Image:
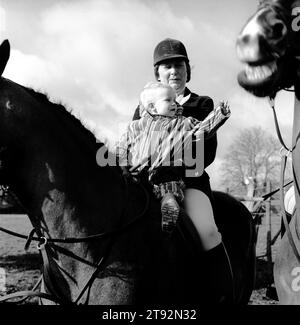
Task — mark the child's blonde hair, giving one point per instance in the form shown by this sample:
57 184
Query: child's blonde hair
148 95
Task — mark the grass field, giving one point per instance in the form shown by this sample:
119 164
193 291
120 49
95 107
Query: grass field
22 269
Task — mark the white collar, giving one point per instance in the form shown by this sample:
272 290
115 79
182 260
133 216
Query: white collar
181 99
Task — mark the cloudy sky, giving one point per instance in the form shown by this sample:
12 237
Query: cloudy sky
95 56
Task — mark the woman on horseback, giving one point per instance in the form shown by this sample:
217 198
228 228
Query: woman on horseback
171 67
162 138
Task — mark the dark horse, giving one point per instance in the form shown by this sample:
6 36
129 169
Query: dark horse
269 45
99 232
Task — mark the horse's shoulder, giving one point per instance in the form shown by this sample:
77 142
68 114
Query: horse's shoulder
231 212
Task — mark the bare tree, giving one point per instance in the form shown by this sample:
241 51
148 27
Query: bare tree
254 155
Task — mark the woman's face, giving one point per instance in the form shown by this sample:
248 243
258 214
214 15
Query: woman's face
174 74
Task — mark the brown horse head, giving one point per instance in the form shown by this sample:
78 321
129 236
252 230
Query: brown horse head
269 45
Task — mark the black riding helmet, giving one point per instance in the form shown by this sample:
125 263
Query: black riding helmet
169 49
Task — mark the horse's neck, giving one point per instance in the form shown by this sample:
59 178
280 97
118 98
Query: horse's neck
71 197
88 208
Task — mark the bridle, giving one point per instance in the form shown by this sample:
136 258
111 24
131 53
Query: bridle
285 153
47 245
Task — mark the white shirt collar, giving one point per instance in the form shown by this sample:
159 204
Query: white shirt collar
181 99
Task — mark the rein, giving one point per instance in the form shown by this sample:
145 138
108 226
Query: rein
45 245
284 152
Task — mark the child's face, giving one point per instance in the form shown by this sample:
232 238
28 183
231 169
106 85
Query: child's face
165 102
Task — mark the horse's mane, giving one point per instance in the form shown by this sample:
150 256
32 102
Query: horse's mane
77 135
72 127
64 113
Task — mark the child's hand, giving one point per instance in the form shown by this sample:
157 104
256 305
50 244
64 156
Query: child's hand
224 107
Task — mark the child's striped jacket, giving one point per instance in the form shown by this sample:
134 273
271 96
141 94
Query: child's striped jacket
156 140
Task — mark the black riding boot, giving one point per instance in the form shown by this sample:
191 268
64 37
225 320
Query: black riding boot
219 276
213 266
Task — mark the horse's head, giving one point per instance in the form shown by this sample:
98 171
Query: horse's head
269 45
14 119
40 140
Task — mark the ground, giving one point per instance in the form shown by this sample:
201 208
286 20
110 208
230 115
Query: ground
22 269
264 292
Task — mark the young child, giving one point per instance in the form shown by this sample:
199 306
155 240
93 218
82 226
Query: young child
150 141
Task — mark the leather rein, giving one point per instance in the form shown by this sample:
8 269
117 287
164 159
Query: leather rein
46 246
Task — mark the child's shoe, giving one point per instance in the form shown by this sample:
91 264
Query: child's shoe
170 211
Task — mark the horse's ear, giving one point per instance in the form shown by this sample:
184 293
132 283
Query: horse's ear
4 55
